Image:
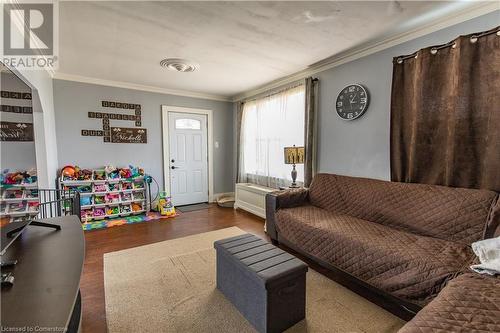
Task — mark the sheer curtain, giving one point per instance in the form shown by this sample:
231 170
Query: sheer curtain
267 126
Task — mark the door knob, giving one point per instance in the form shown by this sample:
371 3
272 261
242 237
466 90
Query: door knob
173 167
172 160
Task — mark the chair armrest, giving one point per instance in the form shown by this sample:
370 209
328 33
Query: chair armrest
282 199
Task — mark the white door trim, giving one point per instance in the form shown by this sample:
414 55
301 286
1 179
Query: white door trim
165 109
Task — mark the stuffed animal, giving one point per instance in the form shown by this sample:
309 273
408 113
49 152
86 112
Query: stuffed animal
85 200
126 196
112 198
99 175
113 187
83 174
113 210
99 199
125 173
136 207
99 212
125 209
136 171
33 206
86 213
112 172
99 187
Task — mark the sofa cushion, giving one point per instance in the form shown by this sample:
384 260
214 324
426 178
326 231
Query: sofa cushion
468 303
454 214
406 265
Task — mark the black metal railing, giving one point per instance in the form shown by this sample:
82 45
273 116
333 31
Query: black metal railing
54 203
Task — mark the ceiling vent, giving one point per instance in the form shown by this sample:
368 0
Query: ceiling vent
179 65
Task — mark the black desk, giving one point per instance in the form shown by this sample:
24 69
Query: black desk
45 294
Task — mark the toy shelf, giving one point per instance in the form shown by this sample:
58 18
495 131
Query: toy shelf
18 201
102 196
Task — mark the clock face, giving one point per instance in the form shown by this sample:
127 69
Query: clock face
352 102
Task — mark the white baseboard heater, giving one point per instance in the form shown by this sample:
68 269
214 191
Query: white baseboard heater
252 198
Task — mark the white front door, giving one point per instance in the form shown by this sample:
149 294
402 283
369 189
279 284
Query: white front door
188 158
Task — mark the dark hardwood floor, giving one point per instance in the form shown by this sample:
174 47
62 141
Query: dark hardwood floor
118 238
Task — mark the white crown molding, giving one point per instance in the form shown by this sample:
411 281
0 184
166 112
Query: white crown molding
134 86
363 50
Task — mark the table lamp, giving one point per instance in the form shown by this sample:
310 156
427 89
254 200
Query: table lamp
294 155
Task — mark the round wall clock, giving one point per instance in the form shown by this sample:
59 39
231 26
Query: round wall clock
352 102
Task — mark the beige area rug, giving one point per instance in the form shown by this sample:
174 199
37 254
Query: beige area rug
170 287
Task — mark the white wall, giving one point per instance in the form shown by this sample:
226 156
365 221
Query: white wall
73 101
40 82
16 155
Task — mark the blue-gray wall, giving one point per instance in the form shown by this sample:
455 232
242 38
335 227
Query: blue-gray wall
361 147
73 100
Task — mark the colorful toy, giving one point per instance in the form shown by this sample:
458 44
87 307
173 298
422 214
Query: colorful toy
126 185
125 173
99 199
112 172
137 185
86 213
99 212
112 198
99 175
13 194
126 196
84 188
17 207
138 195
85 201
113 210
33 207
113 187
125 209
68 172
136 207
18 177
136 171
31 193
165 206
99 187
83 174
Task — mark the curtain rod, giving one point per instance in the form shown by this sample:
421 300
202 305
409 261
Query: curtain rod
277 90
434 50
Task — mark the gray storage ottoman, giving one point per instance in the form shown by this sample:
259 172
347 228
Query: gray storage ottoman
266 284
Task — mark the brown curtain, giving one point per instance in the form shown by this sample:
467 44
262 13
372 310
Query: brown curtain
311 93
445 114
239 115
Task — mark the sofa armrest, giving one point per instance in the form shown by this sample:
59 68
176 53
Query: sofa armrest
282 199
493 224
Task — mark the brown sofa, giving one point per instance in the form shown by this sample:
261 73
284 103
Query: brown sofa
402 241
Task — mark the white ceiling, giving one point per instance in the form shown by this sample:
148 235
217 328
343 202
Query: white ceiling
238 45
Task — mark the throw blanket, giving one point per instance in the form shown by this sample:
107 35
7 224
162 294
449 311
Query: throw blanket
488 251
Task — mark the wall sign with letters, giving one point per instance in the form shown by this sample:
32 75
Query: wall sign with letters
16 131
15 94
16 108
118 134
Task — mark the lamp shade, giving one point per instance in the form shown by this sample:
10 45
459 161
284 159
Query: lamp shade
294 155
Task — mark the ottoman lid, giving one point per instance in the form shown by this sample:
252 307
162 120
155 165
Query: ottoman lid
260 259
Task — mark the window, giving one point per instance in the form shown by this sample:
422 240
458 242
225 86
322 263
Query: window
187 124
268 125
